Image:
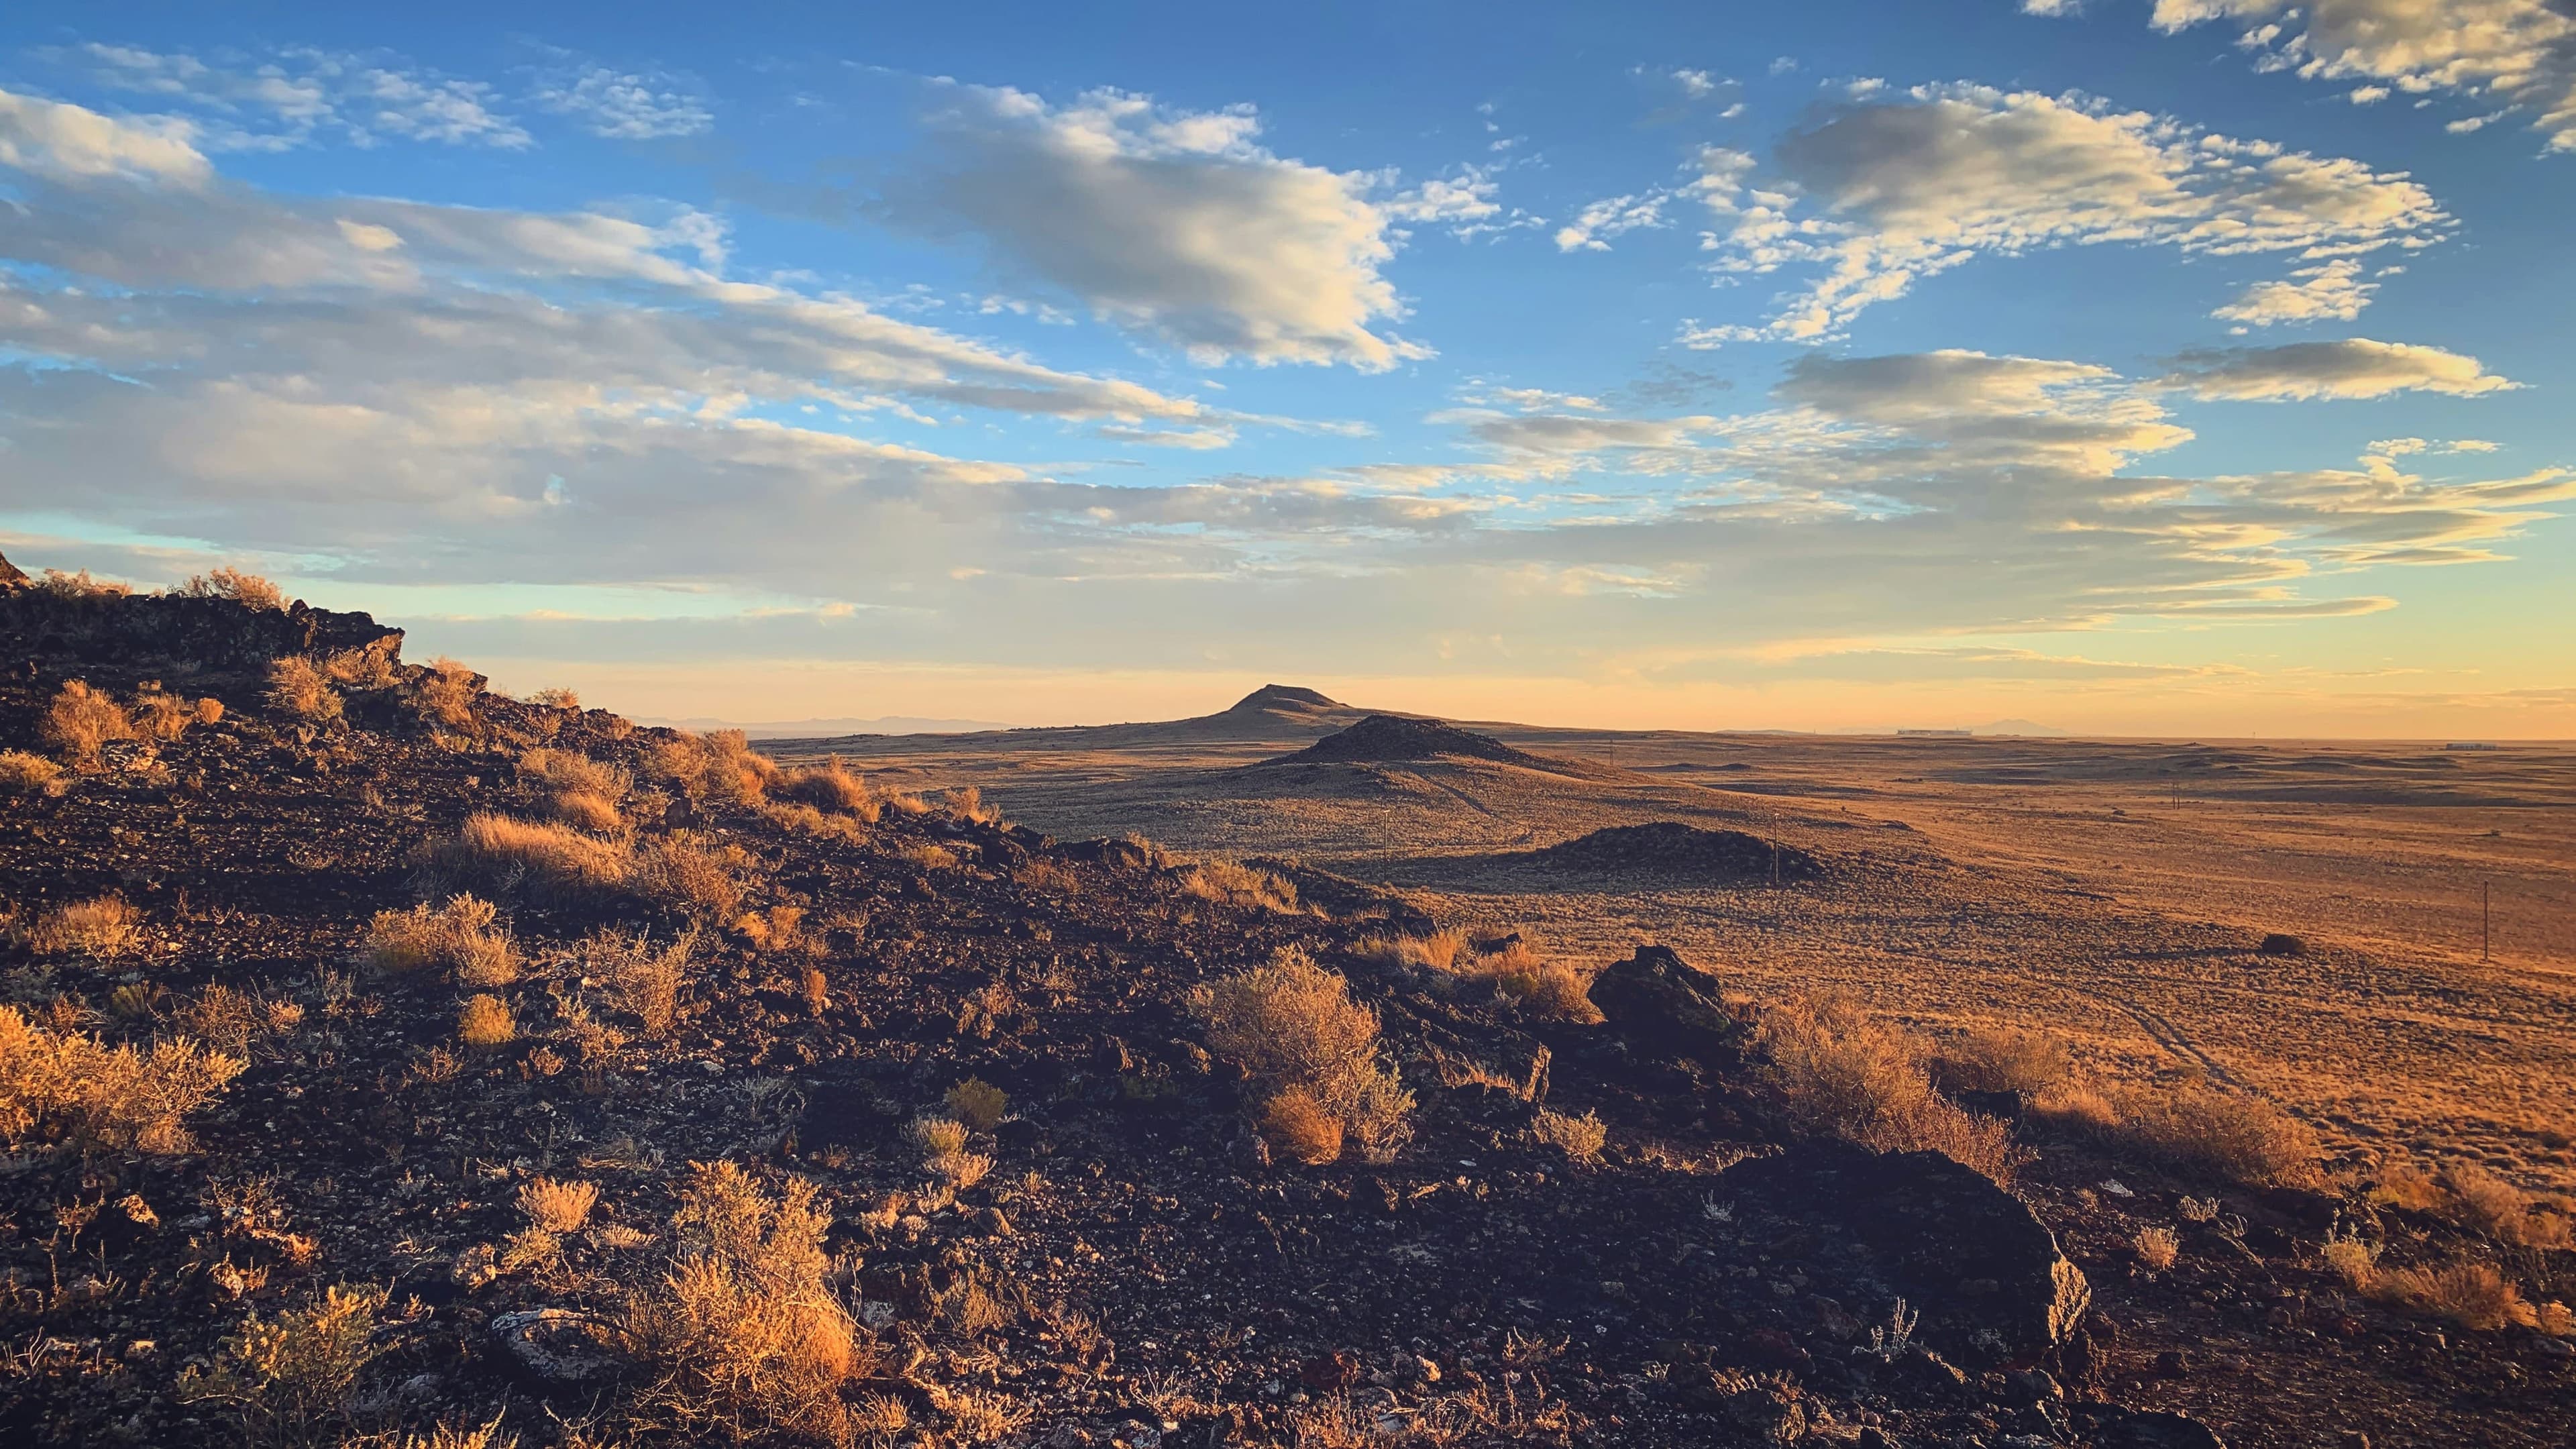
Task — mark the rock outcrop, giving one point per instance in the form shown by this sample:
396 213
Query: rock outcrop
1664 1007
1399 739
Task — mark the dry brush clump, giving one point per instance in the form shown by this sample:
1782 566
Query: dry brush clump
745 1338
557 1207
1838 1072
291 1377
231 1020
246 589
71 1087
503 854
166 717
832 788
1292 1026
642 979
103 928
460 936
1580 1138
444 694
2475 1197
484 1022
2196 1127
23 773
2004 1059
582 792
2475 1295
298 689
1234 884
81 722
719 765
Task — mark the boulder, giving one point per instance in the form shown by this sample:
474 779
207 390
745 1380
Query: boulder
2111 1427
555 1346
1664 1007
1982 1270
11 576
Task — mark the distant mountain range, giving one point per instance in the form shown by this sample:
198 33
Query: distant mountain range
806 729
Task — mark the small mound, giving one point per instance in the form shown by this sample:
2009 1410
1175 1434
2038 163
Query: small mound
1292 698
1669 848
1388 739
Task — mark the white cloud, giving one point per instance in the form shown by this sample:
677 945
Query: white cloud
1878 196
297 94
1175 224
625 106
1593 226
72 143
2353 368
2331 290
2521 51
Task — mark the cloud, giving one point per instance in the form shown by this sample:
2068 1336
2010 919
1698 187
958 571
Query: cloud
71 143
2353 368
2331 291
2520 51
625 106
1876 196
1173 224
1593 226
298 94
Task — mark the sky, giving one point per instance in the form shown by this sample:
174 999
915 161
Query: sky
2147 367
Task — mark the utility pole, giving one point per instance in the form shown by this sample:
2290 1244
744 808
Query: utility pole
2486 918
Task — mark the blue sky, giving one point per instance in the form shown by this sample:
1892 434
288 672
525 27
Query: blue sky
2187 367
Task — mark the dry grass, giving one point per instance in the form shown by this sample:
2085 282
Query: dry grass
968 804
748 1341
503 854
70 1086
591 814
2004 1059
2474 1295
556 697
829 786
291 1377
568 771
445 694
1438 951
2478 1199
558 1207
1292 1024
779 928
927 857
81 722
369 668
104 928
299 690
2156 1247
2198 1128
719 765
165 717
1545 988
1295 1123
484 1022
1242 885
21 772
1579 1138
230 583
942 1141
459 936
978 1103
81 586
687 876
643 980
230 1020
1838 1072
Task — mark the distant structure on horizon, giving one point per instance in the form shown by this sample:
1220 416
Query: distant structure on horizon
1936 734
2469 745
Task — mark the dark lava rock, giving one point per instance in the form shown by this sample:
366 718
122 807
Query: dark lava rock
1668 848
11 576
1663 1006
1389 738
209 633
554 1345
1983 1271
2112 1427
2280 943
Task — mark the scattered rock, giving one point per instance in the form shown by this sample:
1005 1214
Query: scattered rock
1668 849
1396 739
2280 943
1665 1007
555 1345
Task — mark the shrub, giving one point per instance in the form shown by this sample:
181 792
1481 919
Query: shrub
444 694
81 586
1292 1024
484 1023
71 1086
942 1141
1548 989
1242 885
231 1020
2473 1295
747 1339
166 717
503 854
968 805
1580 1138
2157 1247
556 697
643 981
231 583
558 1207
2004 1059
1839 1073
925 856
719 765
689 877
81 721
369 668
459 936
1295 1123
21 772
298 689
2238 1138
978 1103
105 928
595 814
293 1374
829 786
1438 951
2486 1203
573 773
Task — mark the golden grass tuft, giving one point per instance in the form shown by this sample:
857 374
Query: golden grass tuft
557 1207
591 814
689 877
1549 989
1838 1072
81 721
718 765
1292 1024
1295 1123
230 1020
165 717
642 979
70 1086
291 1376
2156 1247
2237 1138
503 854
22 773
570 771
556 696
459 936
747 1340
942 1141
1438 951
445 694
1234 884
2480 1200
831 787
1579 1138
968 805
299 690
2004 1059
978 1103
484 1022
247 589
103 928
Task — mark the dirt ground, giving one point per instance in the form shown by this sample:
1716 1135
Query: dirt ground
2111 891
